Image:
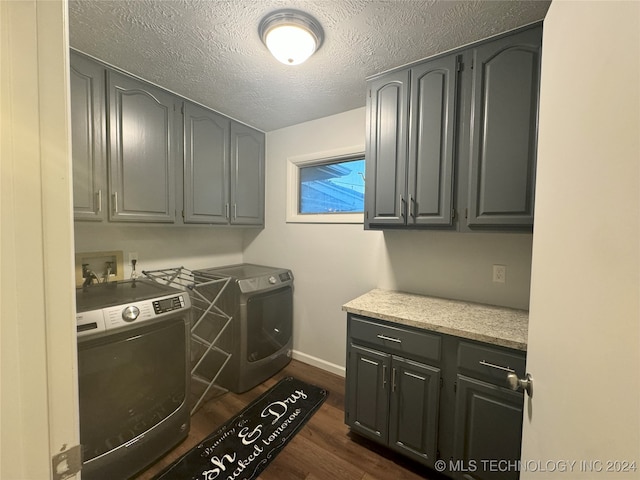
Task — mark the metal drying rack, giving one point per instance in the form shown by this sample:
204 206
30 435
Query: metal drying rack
205 292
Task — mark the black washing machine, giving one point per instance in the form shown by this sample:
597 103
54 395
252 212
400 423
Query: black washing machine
259 300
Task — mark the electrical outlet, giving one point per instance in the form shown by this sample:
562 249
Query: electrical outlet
133 256
500 273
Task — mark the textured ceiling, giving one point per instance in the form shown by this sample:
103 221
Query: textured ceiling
210 51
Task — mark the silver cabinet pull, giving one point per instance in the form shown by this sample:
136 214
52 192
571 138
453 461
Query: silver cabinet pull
498 367
411 202
384 376
99 195
226 210
402 206
235 211
393 379
115 202
391 339
525 383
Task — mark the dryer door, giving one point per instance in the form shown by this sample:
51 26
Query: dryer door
269 322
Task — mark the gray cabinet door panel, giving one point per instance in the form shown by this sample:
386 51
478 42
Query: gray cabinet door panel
247 175
387 150
504 130
431 142
141 155
206 166
88 139
368 398
488 428
413 426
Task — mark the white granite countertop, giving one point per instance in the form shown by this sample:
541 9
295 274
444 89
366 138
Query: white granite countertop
502 326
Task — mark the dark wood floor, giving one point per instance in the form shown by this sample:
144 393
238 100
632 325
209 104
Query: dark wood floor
323 450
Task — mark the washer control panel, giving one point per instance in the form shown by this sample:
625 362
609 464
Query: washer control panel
98 322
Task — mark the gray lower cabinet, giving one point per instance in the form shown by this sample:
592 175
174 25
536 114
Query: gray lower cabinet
391 398
488 432
451 141
88 139
142 151
413 408
488 415
431 396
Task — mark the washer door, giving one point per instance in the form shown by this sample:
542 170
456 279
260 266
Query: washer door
269 322
128 383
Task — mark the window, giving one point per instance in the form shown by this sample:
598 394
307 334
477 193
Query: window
326 187
336 187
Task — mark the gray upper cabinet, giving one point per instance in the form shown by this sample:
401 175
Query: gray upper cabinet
141 155
431 142
88 137
386 149
127 136
505 97
206 166
410 150
247 175
456 132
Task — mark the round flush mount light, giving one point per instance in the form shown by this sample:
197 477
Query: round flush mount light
291 36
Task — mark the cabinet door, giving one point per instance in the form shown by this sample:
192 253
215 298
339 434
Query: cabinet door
415 397
386 150
141 123
247 175
431 142
505 96
368 392
88 138
488 428
206 166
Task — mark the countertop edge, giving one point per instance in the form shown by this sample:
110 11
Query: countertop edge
443 329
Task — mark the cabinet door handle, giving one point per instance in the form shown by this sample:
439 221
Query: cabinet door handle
115 202
235 211
411 202
384 376
402 206
226 210
391 339
99 199
498 367
393 379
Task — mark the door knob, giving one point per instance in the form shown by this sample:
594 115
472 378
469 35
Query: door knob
525 383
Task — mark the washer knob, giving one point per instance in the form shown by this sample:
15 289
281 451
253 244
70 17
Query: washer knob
130 313
272 280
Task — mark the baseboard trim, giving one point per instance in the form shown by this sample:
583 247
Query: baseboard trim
318 362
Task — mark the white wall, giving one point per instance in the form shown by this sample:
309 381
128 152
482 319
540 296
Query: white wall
331 263
162 246
334 263
584 330
458 265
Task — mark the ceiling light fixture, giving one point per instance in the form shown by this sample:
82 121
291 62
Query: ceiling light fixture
291 36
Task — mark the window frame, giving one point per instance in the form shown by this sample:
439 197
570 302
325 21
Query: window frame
295 163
